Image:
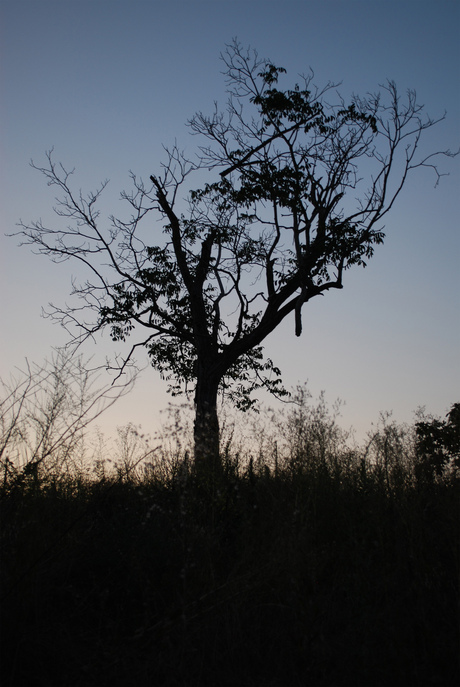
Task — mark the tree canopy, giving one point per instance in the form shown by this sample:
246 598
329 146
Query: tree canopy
294 185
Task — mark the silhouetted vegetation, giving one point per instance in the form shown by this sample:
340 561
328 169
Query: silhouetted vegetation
314 561
294 184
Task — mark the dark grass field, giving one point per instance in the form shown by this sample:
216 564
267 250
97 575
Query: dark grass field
304 575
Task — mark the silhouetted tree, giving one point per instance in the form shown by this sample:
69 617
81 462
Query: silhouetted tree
438 444
277 223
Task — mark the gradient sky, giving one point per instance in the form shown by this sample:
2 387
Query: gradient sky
107 82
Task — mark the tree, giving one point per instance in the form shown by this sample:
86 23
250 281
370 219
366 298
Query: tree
276 224
437 444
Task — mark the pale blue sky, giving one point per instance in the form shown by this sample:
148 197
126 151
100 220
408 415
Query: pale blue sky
107 82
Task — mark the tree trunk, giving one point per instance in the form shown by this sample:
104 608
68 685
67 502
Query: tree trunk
206 431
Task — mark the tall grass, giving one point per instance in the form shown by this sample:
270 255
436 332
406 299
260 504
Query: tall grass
316 562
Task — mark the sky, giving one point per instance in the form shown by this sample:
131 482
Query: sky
107 83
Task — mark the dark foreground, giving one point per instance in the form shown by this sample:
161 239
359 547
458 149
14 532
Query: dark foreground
322 577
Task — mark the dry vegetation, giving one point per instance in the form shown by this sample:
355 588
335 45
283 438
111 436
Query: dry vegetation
314 562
